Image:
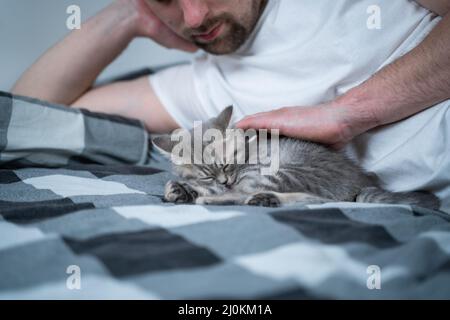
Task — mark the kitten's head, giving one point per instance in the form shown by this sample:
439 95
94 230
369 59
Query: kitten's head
212 172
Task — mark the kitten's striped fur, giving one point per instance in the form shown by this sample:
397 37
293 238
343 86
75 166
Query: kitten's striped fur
308 173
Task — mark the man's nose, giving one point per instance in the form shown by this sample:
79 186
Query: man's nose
194 12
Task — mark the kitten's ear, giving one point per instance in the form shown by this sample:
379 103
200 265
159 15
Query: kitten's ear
163 144
223 119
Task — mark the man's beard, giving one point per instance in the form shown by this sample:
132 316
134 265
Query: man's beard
229 41
236 33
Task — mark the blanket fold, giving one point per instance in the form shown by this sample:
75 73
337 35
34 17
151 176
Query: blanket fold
38 133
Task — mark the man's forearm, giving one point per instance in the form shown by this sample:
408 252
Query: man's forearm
68 69
413 83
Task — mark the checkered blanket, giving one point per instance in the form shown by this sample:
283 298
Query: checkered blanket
34 132
87 231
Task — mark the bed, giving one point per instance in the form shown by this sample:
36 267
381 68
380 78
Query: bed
82 216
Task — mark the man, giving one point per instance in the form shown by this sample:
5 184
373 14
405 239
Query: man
380 91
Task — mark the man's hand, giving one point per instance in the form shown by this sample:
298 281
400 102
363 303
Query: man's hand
67 71
441 7
330 124
150 26
411 84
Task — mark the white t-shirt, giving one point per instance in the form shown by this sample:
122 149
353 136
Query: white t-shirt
307 52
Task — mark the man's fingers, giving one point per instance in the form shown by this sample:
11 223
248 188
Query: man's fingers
169 39
259 114
250 123
176 42
256 121
338 146
162 34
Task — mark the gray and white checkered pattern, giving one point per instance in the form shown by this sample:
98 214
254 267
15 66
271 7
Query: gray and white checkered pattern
111 222
34 132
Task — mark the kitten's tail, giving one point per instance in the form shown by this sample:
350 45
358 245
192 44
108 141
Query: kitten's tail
418 198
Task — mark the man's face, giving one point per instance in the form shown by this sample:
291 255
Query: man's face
216 26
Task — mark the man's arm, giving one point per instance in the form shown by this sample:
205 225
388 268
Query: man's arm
413 83
440 7
132 99
66 72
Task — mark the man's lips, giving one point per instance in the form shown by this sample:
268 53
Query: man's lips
211 35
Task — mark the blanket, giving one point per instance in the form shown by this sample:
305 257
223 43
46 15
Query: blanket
82 216
34 132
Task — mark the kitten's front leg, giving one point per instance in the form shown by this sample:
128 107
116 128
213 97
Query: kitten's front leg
228 199
276 199
179 192
264 199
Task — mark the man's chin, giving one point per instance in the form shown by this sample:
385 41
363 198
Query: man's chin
219 47
232 38
216 50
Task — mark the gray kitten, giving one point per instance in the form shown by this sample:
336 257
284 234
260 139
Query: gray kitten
308 173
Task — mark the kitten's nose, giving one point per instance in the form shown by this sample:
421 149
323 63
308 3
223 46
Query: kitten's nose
222 179
230 182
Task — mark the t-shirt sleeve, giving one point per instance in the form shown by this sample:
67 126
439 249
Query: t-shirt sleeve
175 89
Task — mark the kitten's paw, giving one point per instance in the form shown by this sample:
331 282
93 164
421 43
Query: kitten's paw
264 200
177 193
218 201
203 201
